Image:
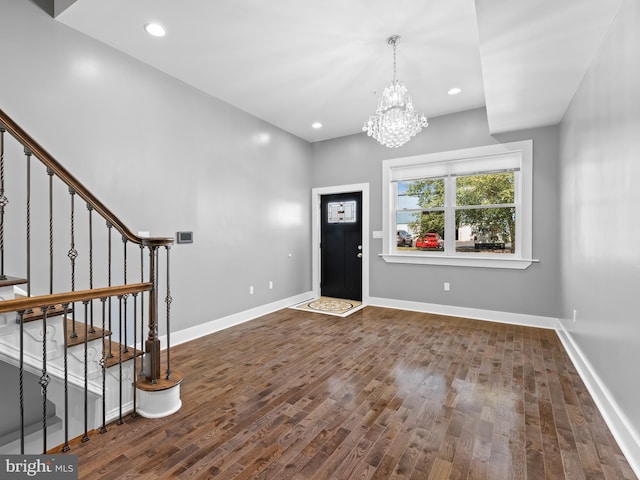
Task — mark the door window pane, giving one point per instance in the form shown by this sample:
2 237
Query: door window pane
341 212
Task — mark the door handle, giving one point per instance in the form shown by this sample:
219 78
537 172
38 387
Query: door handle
359 255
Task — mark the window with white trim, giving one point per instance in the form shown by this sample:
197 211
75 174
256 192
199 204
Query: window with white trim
469 207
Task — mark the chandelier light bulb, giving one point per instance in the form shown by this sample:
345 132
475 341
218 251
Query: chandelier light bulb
395 121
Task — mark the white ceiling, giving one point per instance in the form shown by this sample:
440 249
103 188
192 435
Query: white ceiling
295 62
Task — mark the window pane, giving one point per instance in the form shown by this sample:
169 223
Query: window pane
429 231
405 220
486 189
486 230
425 193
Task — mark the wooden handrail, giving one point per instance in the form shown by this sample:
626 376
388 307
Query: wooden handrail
27 303
47 159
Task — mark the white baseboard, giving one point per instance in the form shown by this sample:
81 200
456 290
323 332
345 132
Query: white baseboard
218 324
621 428
474 313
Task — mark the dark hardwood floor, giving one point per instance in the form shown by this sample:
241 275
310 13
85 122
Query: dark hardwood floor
380 394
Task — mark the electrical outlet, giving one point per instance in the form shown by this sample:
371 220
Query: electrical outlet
575 315
447 286
251 290
270 285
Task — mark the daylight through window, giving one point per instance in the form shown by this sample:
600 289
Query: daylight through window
460 207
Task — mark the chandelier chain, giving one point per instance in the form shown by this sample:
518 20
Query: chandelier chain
395 77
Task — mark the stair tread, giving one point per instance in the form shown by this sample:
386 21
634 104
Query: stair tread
114 359
7 282
37 314
115 347
79 338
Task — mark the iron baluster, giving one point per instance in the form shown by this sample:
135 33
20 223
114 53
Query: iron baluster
85 437
124 344
120 421
65 328
135 339
90 209
21 379
3 203
50 173
142 373
168 301
103 364
73 254
109 227
27 152
44 379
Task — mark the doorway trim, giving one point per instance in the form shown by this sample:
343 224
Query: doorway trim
316 193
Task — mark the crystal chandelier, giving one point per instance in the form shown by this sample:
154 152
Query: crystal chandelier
395 121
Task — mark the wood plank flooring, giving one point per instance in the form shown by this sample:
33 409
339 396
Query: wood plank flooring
380 394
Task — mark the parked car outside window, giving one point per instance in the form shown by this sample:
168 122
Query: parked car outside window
429 240
404 238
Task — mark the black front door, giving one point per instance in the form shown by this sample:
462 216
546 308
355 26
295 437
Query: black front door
341 245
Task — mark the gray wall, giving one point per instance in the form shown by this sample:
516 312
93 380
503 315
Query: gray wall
600 168
534 291
165 157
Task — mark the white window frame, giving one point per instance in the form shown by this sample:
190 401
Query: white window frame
514 155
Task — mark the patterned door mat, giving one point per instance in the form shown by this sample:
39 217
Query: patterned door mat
330 306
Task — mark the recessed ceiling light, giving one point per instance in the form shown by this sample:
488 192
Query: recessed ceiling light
316 125
155 29
454 91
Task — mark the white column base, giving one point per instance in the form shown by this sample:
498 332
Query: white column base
159 403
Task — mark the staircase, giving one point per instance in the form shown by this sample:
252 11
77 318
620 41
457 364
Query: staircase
79 342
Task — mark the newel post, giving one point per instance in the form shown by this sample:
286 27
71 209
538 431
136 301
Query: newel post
152 345
159 396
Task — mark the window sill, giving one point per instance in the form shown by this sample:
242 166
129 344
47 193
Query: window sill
458 261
